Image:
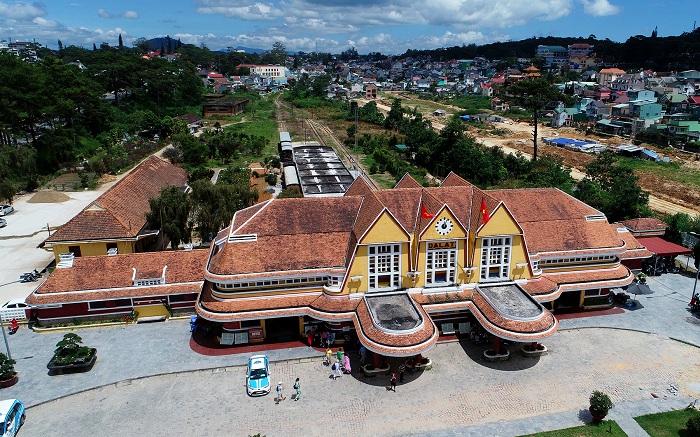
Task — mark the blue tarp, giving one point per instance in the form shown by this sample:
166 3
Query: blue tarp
464 117
566 142
651 154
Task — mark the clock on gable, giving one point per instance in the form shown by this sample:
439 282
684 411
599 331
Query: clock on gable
444 226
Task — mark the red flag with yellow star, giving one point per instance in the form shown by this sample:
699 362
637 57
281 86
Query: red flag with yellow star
424 212
484 213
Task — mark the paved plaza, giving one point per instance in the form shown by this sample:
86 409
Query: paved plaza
148 381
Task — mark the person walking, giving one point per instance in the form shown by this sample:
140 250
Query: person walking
392 381
280 394
329 353
402 370
363 354
337 372
297 387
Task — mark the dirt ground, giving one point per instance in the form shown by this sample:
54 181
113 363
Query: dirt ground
669 190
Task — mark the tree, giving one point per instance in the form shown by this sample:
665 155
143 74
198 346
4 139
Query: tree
60 45
612 188
534 94
213 206
394 117
279 53
677 224
121 41
170 212
142 44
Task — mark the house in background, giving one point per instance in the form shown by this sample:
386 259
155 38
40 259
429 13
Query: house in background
226 106
116 221
194 122
606 76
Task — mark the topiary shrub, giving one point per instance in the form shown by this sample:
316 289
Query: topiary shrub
693 425
7 367
600 402
71 351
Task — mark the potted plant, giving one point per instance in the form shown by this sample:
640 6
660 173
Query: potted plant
600 405
8 376
71 356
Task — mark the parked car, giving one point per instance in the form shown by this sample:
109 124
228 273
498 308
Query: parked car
15 309
6 209
12 415
257 379
3 222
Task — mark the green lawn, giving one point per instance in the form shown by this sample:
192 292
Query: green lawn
671 423
608 428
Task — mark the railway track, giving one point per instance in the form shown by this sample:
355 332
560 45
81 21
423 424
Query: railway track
326 137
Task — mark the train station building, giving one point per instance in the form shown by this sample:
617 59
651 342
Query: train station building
403 266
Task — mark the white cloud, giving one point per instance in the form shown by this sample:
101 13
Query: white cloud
104 14
132 15
243 10
599 8
21 11
330 17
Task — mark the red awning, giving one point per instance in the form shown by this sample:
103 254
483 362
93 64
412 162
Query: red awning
661 247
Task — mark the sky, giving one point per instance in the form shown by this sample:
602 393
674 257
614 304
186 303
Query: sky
385 26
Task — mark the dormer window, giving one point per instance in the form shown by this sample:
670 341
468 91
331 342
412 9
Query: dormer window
145 279
384 270
440 263
495 258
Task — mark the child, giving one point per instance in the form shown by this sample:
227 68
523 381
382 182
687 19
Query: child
329 353
280 395
392 381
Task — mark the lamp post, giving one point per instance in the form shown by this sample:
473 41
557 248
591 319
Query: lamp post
4 337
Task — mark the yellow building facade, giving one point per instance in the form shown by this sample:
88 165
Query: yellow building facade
397 268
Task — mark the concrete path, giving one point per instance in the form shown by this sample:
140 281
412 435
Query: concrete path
462 395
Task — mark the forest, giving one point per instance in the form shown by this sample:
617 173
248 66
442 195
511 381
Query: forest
103 113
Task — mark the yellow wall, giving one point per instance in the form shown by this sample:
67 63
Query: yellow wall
431 234
385 230
91 248
502 223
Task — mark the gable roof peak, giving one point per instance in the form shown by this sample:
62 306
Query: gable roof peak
407 181
454 180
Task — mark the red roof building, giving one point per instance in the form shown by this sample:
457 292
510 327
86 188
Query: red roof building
117 219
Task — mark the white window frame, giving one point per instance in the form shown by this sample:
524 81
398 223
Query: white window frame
446 269
384 267
495 258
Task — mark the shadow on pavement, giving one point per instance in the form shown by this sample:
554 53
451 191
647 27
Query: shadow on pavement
515 363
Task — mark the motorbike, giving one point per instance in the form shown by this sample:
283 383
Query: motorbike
32 276
694 303
14 326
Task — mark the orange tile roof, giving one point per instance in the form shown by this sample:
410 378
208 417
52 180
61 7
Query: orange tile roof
645 224
407 181
109 277
581 279
554 221
635 249
121 210
292 234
